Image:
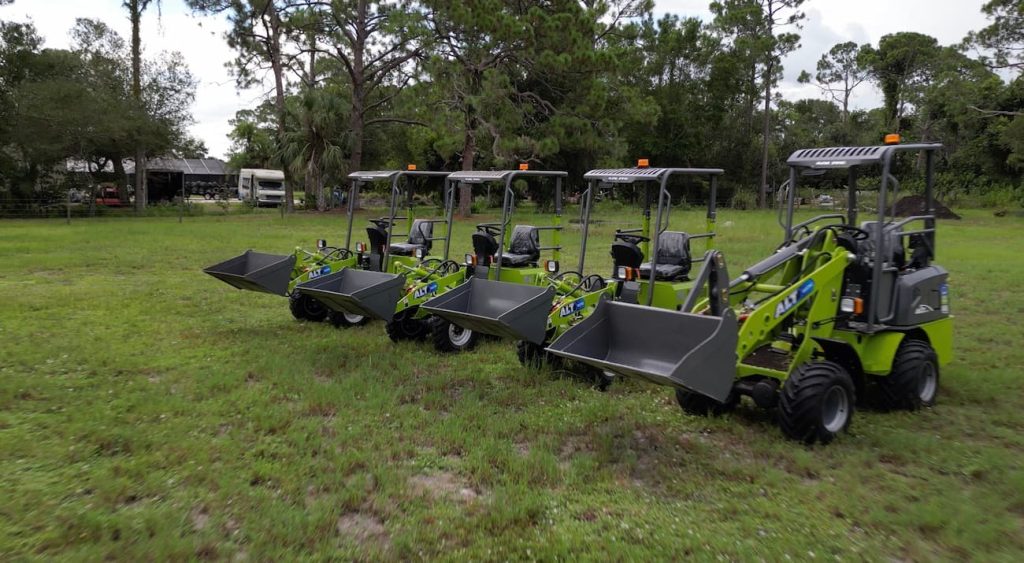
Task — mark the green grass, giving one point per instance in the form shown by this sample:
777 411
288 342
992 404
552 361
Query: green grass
148 411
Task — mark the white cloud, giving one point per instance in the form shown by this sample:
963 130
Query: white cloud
864 21
201 41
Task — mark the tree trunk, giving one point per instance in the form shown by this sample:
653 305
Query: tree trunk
314 182
274 48
357 115
121 178
357 128
135 8
468 154
762 197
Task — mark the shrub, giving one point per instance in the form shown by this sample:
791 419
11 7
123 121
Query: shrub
743 200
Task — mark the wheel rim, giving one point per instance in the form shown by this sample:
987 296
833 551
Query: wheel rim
352 318
927 382
459 336
835 409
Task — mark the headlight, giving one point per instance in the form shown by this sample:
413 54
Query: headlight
551 266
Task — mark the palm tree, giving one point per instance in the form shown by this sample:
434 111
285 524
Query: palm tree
313 149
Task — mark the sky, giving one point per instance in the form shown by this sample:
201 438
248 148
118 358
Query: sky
201 41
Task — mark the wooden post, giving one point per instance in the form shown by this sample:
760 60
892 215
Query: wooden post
181 209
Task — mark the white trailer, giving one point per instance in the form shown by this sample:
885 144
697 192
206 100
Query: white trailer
263 187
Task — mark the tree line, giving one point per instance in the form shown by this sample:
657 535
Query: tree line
559 84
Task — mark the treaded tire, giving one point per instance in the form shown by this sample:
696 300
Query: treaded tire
306 308
338 320
808 409
914 380
405 328
440 335
699 405
533 355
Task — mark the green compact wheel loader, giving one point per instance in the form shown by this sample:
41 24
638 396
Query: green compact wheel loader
399 296
840 312
572 295
281 274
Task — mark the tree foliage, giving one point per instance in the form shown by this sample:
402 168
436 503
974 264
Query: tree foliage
79 104
559 84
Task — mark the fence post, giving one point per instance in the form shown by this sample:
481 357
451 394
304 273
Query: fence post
69 207
181 208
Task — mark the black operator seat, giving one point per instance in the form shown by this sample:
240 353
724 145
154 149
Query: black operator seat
419 237
378 237
626 254
485 246
673 261
890 249
524 248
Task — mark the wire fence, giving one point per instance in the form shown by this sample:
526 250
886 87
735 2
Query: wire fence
75 204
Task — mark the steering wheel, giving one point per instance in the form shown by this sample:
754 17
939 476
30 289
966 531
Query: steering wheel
341 253
383 222
444 267
589 283
493 230
858 233
631 238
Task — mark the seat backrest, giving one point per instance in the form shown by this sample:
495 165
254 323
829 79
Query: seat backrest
921 252
421 232
626 254
484 247
525 240
378 238
673 249
889 249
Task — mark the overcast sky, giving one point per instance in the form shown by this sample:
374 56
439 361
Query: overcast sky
201 41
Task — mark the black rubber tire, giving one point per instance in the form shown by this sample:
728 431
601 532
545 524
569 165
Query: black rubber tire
595 376
306 308
440 336
700 405
806 399
904 388
338 320
533 355
404 327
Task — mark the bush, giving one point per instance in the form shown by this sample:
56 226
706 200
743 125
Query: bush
743 201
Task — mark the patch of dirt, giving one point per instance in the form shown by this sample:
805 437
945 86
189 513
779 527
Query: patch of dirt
322 376
199 518
572 445
912 205
323 410
364 529
444 485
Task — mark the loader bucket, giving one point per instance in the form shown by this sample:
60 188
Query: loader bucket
358 292
508 310
695 352
255 271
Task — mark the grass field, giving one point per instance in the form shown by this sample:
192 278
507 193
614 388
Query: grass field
148 411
